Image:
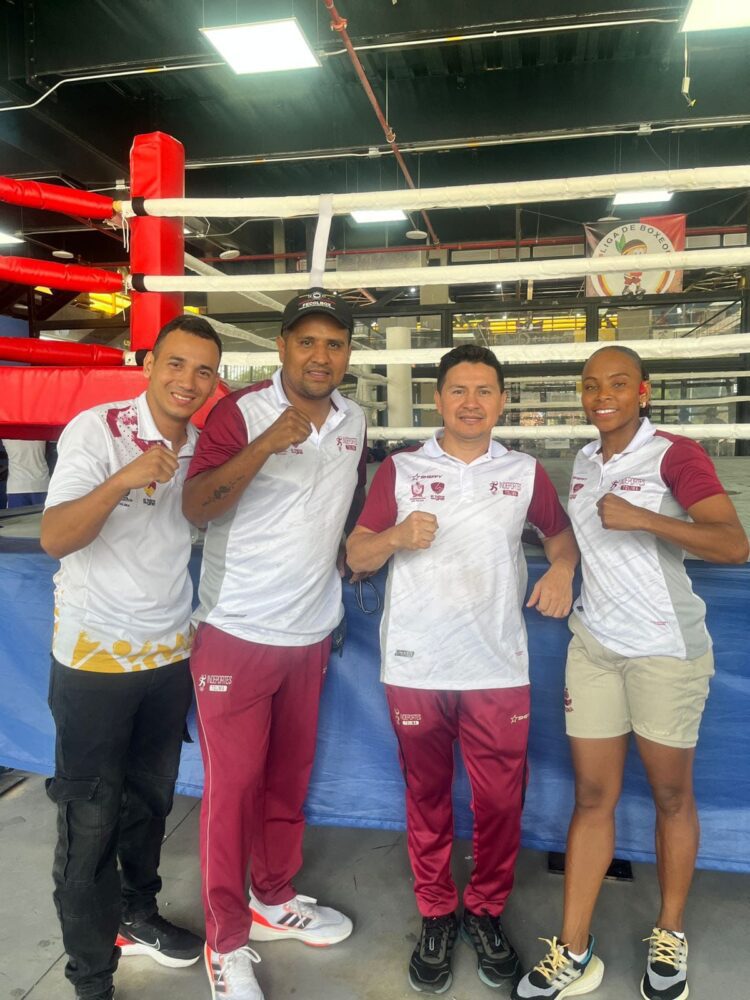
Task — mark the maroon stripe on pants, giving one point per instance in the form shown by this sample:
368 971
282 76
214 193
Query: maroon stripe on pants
257 723
492 727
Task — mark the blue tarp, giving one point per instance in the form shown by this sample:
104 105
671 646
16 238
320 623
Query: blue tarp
356 781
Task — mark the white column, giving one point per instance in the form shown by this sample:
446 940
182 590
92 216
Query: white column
399 379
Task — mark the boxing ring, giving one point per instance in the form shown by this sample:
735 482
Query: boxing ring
356 781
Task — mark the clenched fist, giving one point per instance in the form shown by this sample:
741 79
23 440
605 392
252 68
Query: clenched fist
618 514
417 531
157 465
291 428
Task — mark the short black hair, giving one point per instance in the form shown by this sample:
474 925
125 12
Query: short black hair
474 355
635 358
190 323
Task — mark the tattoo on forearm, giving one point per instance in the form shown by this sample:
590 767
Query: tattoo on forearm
221 491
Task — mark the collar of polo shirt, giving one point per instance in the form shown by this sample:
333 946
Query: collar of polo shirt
645 432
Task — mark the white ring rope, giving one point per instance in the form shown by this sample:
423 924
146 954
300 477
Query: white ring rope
458 196
453 274
722 345
562 432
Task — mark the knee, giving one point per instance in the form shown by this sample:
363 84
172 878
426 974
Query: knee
673 800
595 797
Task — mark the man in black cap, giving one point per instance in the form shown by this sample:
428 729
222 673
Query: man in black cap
278 472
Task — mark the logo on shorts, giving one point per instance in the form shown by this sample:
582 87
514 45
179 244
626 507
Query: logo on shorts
567 701
215 682
403 719
518 718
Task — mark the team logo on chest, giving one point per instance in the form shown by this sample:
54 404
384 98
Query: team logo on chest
346 443
575 487
627 485
417 491
437 489
507 489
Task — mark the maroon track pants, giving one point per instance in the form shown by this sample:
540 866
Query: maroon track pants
492 727
257 723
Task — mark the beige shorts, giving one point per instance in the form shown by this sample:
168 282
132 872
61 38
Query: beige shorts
660 698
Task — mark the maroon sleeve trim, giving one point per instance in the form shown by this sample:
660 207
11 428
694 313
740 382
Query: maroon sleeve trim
688 472
381 511
224 435
545 510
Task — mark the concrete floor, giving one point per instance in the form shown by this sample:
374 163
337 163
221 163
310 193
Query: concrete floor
365 873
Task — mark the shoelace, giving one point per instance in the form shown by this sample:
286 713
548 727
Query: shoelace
435 933
237 967
302 906
554 961
489 927
664 947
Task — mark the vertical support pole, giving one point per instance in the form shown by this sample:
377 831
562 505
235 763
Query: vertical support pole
157 246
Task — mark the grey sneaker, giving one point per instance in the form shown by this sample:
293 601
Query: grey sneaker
666 969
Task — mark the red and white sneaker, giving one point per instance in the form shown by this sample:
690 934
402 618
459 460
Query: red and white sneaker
231 975
298 919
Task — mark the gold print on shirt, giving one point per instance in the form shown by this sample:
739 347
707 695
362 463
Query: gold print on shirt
89 654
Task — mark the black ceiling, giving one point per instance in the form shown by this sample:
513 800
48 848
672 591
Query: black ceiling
568 96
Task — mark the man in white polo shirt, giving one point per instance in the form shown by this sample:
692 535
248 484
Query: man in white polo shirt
450 516
278 473
120 686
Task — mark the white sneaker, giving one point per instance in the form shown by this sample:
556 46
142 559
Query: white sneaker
231 975
300 918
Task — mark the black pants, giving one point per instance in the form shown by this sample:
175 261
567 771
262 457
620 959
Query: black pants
117 751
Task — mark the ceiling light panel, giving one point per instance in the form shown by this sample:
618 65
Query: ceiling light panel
265 47
645 197
713 15
379 215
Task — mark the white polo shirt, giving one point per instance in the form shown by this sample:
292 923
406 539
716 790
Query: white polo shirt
453 615
122 603
636 597
269 564
28 471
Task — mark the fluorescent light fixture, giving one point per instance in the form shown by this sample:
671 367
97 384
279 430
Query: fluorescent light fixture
644 197
6 239
63 254
379 215
265 47
713 15
229 254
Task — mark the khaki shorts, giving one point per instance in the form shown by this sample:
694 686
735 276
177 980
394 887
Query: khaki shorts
660 698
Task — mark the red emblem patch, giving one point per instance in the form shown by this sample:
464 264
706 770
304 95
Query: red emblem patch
437 487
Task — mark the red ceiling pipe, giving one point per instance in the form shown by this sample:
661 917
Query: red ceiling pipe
338 23
55 198
51 352
67 277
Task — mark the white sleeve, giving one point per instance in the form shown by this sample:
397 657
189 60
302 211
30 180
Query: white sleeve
83 459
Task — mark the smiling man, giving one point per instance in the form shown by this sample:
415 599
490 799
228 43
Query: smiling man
279 471
450 516
120 686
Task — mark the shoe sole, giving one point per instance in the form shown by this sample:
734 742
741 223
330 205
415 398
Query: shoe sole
683 996
465 936
129 948
588 982
424 989
262 932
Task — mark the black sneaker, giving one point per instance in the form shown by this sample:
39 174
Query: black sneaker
107 994
558 975
497 961
666 970
162 941
430 964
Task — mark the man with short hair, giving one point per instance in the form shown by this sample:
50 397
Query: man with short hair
120 686
279 471
450 516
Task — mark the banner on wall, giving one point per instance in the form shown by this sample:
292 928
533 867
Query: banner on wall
651 234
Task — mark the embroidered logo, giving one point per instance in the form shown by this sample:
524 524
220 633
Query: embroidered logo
408 653
507 489
630 484
437 487
346 443
216 682
404 719
575 488
417 491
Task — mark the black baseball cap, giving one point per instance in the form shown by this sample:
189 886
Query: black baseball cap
318 300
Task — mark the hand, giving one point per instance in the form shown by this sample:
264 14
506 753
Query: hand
343 567
417 531
618 514
157 465
552 595
291 428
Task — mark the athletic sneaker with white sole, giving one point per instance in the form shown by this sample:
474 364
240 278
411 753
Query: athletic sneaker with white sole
231 975
666 971
558 975
156 937
299 919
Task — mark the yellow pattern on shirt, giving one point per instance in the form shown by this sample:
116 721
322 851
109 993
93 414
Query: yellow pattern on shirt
91 655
